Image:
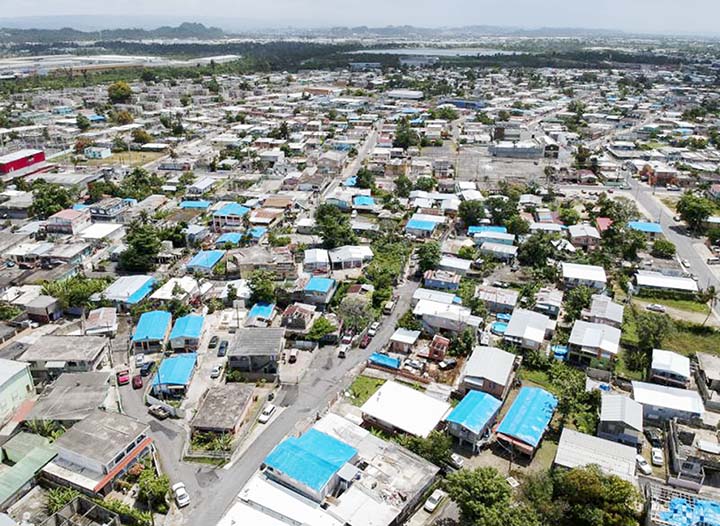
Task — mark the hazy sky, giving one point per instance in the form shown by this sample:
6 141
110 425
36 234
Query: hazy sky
674 16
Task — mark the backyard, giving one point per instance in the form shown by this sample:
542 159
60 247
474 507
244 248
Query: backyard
363 388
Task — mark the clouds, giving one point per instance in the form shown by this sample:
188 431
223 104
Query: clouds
630 15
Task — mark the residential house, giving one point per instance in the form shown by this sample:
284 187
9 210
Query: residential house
471 420
229 217
109 210
525 423
298 317
350 256
186 333
621 419
670 368
440 317
255 352
593 341
152 332
548 301
528 329
604 310
69 221
50 356
584 236
576 450
662 402
592 276
403 340
651 231
16 386
442 280
224 409
490 370
497 299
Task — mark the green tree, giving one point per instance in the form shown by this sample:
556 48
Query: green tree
75 291
536 250
119 92
58 498
355 312
124 117
694 210
652 329
471 212
517 225
365 178
49 198
662 248
436 448
321 328
500 209
426 184
333 227
463 343
141 136
569 385
478 493
468 252
153 489
262 287
405 136
82 122
409 321
143 246
403 185
576 300
429 255
569 216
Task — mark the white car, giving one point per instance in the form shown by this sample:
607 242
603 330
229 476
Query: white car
642 465
656 456
139 360
181 495
655 307
456 461
266 414
685 263
434 500
216 371
372 331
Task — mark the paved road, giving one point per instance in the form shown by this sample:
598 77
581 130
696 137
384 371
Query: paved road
214 490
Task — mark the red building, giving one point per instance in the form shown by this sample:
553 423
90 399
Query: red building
19 160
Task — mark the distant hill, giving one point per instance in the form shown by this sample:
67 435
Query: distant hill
182 31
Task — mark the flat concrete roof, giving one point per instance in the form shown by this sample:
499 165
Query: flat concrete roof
223 406
73 396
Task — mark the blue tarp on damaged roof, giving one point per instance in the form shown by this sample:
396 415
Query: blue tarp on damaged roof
384 360
529 415
475 411
311 459
683 512
420 224
195 204
152 326
232 209
175 370
206 259
317 284
189 326
141 292
229 237
487 228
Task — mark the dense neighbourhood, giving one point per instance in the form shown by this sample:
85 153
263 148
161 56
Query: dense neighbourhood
364 296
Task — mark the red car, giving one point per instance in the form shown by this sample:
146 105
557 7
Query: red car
365 341
123 377
137 382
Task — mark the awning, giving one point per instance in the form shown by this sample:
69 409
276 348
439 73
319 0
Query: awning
55 364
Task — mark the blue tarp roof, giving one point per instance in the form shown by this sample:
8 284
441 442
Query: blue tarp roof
311 459
384 360
261 310
529 416
317 284
152 326
229 237
363 200
195 204
487 228
206 259
419 224
350 181
682 512
80 207
189 326
232 209
175 370
645 226
475 411
257 232
141 292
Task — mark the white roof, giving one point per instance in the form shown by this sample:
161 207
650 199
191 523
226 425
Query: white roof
124 287
9 368
577 449
490 363
621 408
405 336
351 253
668 397
434 295
648 278
670 362
583 231
595 336
452 311
584 272
316 255
455 263
528 325
406 409
188 284
20 154
100 230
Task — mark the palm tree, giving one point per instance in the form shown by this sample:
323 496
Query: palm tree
710 295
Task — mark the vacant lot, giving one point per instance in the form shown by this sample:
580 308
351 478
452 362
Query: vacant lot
363 388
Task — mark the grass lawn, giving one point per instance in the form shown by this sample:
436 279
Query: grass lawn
686 305
621 368
363 388
538 378
685 341
670 202
130 158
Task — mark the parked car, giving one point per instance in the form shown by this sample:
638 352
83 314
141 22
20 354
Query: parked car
181 495
654 436
642 465
213 342
365 341
216 371
456 461
159 412
343 350
139 360
222 349
434 500
372 331
656 456
147 368
123 377
673 188
137 382
655 307
447 363
347 338
267 413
